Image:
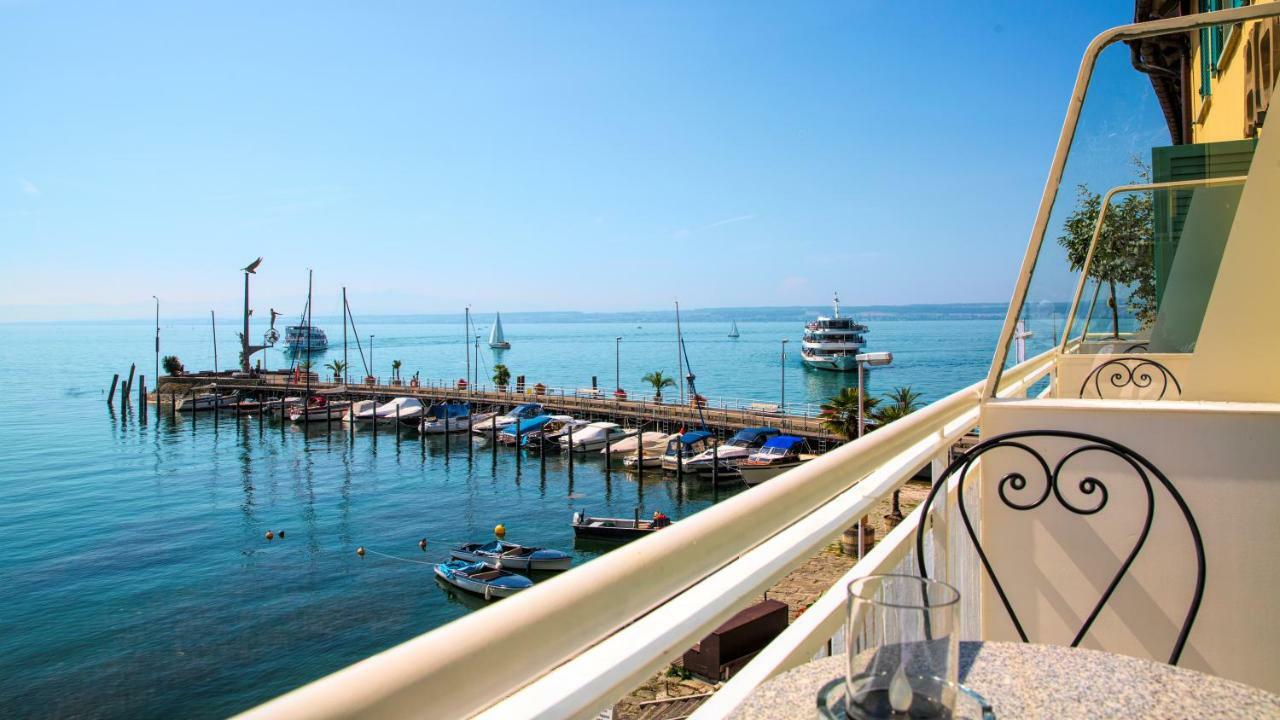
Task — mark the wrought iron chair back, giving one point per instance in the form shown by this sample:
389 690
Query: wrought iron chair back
1140 373
1088 486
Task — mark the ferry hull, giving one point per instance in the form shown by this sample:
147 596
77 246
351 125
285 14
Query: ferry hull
841 363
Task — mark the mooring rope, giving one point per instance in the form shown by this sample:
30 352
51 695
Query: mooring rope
401 559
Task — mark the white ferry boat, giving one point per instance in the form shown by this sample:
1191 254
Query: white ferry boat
831 343
301 337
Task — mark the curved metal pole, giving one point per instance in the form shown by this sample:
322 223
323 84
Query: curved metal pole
1097 234
1096 46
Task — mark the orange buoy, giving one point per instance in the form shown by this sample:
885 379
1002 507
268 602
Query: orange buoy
500 530
360 551
422 544
270 534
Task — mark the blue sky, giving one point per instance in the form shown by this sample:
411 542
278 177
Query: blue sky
524 156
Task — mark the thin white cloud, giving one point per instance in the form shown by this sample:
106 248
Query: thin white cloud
729 221
29 188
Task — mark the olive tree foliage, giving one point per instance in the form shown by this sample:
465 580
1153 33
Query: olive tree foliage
1124 255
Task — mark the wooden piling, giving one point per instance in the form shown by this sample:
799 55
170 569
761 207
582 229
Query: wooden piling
142 398
111 394
128 386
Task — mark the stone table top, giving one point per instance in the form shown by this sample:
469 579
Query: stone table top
1029 681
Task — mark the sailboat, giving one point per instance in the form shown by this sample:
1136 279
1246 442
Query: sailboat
496 340
733 329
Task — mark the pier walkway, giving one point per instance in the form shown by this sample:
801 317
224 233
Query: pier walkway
720 418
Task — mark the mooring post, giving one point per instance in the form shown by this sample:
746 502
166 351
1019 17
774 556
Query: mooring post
173 405
569 449
446 434
608 454
715 467
142 399
111 394
128 386
375 421
679 460
640 454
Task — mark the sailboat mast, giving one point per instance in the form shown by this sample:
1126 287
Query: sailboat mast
213 320
679 355
344 334
466 342
307 405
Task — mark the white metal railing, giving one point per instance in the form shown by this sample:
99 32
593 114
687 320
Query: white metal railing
574 644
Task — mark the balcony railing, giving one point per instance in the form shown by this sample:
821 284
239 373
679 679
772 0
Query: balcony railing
574 644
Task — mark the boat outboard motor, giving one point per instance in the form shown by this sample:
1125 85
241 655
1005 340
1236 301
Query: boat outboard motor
579 518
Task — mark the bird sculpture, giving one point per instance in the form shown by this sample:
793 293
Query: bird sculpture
252 268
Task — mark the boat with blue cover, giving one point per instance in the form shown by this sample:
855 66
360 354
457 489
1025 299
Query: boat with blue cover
778 455
510 556
533 427
685 447
450 417
523 411
478 578
743 443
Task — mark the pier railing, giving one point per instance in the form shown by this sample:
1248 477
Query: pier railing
574 644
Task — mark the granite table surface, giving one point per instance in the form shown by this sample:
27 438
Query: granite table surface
1044 681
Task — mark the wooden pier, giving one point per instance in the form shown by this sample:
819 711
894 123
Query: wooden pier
722 421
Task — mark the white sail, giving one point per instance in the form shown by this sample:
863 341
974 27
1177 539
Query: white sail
496 340
733 330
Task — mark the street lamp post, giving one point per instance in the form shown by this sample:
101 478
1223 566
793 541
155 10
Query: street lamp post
617 365
875 359
157 347
782 405
373 370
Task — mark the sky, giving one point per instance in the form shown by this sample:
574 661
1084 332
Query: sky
520 156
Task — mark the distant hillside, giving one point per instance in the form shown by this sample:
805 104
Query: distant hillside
953 311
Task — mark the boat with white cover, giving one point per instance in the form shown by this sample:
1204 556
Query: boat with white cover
595 436
207 401
654 448
832 343
654 442
481 579
322 409
510 556
401 409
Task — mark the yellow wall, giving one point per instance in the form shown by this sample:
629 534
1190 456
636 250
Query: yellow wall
1224 118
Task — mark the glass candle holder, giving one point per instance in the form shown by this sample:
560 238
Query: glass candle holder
902 648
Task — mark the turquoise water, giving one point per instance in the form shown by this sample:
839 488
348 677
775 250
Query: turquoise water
138 582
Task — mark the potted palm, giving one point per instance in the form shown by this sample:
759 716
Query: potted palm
659 381
339 370
501 376
539 389
395 372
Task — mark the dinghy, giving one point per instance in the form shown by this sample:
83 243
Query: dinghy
618 529
510 556
481 579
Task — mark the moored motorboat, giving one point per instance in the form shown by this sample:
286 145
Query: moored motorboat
684 446
510 556
322 409
654 443
533 428
732 452
778 455
401 409
523 411
624 529
595 436
206 401
449 417
481 579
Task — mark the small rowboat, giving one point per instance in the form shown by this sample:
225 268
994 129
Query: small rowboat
478 578
617 529
509 556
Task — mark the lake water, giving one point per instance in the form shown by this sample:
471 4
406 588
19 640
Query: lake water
137 580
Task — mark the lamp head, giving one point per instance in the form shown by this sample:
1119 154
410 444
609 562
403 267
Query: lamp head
875 358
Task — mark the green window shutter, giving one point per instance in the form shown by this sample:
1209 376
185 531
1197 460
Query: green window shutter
1206 70
1188 162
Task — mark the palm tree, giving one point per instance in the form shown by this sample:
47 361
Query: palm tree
501 375
339 369
395 371
840 413
659 381
901 402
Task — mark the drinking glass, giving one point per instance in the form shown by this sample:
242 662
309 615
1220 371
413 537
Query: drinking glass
902 648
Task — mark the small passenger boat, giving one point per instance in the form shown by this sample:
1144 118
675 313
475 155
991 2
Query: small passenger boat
481 579
510 556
